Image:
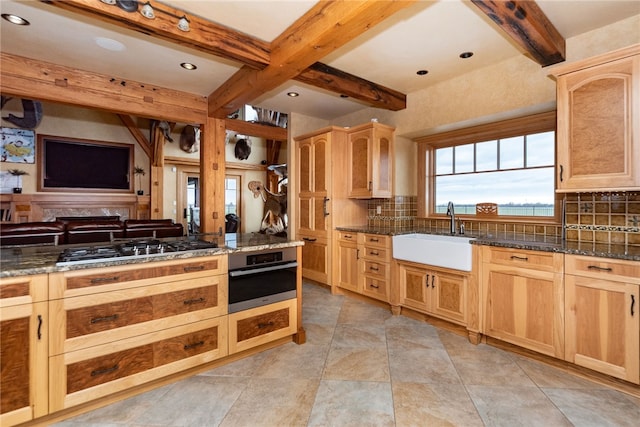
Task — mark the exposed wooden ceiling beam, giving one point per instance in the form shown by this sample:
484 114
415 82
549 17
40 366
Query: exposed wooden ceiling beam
326 77
218 40
323 29
528 26
137 135
205 36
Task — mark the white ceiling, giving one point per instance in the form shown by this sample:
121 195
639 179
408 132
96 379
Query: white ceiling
428 35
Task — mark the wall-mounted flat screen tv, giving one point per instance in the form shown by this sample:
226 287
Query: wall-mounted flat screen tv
69 164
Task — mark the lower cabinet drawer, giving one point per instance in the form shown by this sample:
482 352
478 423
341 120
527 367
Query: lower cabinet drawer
376 268
260 325
376 288
84 375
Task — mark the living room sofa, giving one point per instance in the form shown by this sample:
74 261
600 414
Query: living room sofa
69 230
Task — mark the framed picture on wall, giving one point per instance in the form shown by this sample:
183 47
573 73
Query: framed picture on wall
17 145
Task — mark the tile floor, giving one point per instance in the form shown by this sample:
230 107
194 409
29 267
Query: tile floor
363 367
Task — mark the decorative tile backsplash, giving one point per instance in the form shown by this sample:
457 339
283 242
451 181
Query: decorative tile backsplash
609 217
606 217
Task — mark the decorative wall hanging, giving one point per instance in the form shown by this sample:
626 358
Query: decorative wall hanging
17 145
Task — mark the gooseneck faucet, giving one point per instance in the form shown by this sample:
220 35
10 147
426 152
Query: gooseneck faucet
452 214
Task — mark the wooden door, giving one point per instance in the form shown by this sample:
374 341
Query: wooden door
603 320
413 287
347 268
598 138
524 307
382 163
360 174
448 296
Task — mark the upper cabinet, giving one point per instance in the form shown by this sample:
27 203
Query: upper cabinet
599 122
370 157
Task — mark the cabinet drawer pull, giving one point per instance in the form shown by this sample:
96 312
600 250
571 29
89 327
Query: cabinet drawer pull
374 286
105 279
433 278
348 236
309 239
597 267
372 268
633 303
519 258
372 239
194 301
104 319
374 253
104 370
194 345
40 327
265 325
561 172
193 268
426 280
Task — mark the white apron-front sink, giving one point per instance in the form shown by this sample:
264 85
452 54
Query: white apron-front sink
433 249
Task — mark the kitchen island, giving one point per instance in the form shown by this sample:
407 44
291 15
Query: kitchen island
76 336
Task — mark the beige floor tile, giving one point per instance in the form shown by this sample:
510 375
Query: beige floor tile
295 361
481 366
273 402
352 403
548 376
355 311
318 333
422 366
515 406
357 364
596 407
419 404
359 335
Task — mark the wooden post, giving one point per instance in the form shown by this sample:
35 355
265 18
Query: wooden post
212 173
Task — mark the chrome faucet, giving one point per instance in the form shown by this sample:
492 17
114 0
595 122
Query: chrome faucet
452 214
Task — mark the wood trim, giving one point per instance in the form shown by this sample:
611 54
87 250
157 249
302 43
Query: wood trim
255 129
560 69
540 122
528 26
243 166
181 161
45 81
212 172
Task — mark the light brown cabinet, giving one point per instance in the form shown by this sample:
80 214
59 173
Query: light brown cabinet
603 315
435 291
23 349
375 265
371 160
523 298
322 203
115 327
599 122
347 262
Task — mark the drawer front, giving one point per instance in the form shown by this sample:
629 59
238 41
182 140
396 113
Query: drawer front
545 261
90 320
603 268
376 240
347 236
376 253
260 325
87 374
23 290
377 269
112 278
376 288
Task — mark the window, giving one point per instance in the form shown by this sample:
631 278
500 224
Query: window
232 195
509 163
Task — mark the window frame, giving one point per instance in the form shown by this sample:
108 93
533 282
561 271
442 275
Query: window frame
536 123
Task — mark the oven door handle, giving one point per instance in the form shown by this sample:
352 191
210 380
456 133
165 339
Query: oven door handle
238 273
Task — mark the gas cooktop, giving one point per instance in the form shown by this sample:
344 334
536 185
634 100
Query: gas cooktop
131 249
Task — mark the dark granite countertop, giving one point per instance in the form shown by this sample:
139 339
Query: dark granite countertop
526 241
29 260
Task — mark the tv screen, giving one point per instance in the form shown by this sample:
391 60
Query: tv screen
68 163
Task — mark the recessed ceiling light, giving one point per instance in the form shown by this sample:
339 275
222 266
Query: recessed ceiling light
293 94
109 44
15 19
465 55
188 66
421 72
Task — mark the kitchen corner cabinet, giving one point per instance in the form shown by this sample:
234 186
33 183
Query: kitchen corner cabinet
117 327
23 349
435 291
599 122
524 298
370 157
603 315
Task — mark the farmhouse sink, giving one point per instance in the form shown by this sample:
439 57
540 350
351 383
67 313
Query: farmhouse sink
434 249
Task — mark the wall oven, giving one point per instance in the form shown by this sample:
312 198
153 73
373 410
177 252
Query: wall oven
261 277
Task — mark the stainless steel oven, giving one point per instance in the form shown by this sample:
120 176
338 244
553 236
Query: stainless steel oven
261 277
